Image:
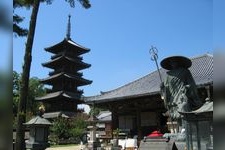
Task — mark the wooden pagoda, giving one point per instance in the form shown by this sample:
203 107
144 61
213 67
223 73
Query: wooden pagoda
64 96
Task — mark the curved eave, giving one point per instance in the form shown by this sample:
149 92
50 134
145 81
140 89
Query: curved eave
52 79
62 60
70 44
49 96
60 94
98 99
101 99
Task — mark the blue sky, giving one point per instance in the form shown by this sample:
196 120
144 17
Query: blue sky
119 34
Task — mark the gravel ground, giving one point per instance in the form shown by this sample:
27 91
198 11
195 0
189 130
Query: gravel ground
76 147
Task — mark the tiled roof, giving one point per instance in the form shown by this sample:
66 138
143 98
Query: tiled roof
104 116
69 44
58 114
79 80
201 69
62 60
64 94
38 121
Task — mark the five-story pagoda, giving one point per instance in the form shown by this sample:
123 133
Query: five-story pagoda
64 95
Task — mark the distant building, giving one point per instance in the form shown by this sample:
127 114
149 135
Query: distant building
104 125
138 107
64 96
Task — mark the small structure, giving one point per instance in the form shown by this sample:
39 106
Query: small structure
39 131
92 143
67 63
199 134
104 125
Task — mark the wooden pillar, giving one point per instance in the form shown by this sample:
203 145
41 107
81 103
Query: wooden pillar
115 119
198 136
138 124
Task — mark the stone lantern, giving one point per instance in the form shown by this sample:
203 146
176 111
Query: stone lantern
39 131
92 143
199 127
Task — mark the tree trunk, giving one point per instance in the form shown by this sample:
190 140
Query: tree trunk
21 117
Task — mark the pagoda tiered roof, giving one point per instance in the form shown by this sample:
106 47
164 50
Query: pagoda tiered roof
69 45
77 79
65 78
67 96
62 60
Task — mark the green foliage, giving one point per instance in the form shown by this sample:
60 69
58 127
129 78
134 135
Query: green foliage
61 128
85 3
65 129
36 89
16 79
16 85
78 125
116 133
17 30
95 110
17 19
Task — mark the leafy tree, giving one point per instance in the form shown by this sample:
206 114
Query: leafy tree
21 118
16 80
72 128
79 125
20 133
61 127
17 30
95 110
36 89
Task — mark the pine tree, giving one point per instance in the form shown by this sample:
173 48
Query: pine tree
21 117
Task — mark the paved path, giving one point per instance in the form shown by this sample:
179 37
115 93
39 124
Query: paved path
77 147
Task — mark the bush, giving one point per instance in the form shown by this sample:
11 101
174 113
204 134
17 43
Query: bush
60 128
78 126
67 131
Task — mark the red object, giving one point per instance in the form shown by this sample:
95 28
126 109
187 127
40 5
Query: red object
155 134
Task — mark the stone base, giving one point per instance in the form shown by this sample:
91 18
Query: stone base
36 146
93 145
157 144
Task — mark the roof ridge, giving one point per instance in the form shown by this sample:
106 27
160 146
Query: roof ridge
200 56
70 40
131 82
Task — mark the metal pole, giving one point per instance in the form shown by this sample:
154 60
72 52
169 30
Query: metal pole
154 56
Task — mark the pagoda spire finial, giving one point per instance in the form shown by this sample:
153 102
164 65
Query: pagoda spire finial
68 28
